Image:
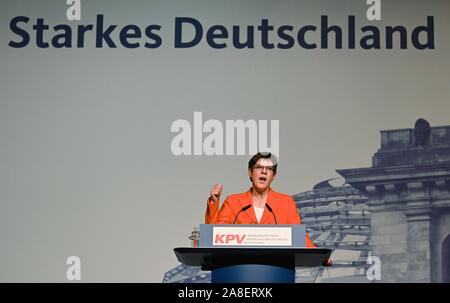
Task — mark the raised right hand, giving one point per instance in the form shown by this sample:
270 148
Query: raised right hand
216 191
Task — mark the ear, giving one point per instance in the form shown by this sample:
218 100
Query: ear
274 176
250 175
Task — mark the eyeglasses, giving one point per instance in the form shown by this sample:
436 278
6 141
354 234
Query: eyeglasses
260 168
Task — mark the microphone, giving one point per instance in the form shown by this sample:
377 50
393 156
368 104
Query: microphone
270 209
242 209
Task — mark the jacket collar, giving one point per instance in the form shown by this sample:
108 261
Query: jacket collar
247 199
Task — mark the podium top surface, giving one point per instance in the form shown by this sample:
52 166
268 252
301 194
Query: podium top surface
210 258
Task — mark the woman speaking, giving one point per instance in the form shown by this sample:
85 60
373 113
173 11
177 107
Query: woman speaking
260 204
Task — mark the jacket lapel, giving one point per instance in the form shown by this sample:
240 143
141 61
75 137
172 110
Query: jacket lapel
250 213
266 217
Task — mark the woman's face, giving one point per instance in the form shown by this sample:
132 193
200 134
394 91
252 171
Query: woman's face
262 174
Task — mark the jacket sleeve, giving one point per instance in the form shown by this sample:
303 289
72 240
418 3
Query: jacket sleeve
214 215
295 218
211 211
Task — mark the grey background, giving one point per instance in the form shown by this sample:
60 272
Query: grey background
86 167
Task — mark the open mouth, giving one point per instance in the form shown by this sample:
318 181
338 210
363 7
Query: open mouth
262 179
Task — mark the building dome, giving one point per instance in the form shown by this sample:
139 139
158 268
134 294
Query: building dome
336 216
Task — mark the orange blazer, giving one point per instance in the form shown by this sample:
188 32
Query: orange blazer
282 205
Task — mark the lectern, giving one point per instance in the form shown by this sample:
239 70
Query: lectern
252 254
